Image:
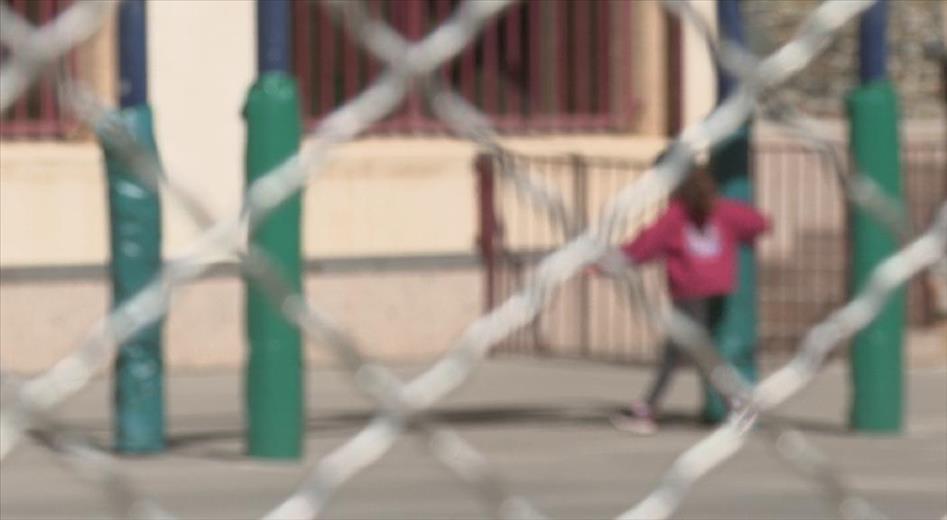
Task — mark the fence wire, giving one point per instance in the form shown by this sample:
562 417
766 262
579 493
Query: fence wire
403 405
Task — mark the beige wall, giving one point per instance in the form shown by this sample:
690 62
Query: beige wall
96 61
377 196
403 316
649 59
52 204
202 61
700 85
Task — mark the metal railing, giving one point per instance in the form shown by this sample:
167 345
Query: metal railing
552 65
37 114
925 188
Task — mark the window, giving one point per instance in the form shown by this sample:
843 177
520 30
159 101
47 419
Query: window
543 65
36 114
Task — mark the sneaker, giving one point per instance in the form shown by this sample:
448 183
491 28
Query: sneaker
637 419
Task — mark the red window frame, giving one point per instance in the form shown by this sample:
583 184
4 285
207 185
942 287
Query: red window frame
542 66
37 114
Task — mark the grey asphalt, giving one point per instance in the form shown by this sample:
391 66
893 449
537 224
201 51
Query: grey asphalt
542 423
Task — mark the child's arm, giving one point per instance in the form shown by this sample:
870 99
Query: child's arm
746 222
647 245
651 242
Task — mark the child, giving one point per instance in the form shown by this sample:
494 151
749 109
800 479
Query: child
697 238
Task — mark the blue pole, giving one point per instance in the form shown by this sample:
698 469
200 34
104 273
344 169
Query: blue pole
135 240
272 26
133 53
735 324
873 43
730 21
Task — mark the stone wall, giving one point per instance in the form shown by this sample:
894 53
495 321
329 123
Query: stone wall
820 89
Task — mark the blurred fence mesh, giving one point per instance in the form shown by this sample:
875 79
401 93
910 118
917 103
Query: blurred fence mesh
403 405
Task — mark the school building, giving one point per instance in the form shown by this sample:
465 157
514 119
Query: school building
390 225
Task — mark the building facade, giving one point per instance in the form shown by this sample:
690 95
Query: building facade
390 223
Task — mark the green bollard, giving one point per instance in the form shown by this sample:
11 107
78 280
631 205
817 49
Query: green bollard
274 379
135 242
734 316
876 355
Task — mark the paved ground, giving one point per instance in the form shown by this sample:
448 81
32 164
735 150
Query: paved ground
543 424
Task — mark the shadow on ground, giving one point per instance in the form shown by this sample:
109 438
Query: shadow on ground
220 437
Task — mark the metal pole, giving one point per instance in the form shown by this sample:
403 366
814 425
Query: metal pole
135 241
274 378
273 36
675 76
876 356
735 327
580 197
730 24
486 236
872 43
133 53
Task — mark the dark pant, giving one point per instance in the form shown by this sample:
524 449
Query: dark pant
704 311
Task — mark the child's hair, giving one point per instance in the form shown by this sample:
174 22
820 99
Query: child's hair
698 192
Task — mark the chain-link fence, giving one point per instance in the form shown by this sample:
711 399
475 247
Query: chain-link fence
402 405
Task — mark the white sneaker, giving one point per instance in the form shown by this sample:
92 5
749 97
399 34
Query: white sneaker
637 419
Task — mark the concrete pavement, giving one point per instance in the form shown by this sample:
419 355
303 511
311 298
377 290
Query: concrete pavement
543 424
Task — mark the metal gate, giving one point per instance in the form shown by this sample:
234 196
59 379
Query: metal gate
802 264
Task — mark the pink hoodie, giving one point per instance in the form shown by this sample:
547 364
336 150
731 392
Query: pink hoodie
700 262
